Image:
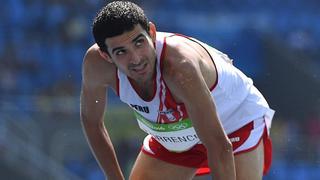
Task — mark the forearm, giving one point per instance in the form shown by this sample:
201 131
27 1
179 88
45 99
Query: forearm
222 162
103 151
219 148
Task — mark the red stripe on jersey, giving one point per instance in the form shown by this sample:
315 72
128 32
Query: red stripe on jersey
169 110
161 86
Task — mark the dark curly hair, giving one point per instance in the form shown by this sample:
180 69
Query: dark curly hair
116 18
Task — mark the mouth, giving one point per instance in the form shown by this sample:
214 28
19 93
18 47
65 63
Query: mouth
140 69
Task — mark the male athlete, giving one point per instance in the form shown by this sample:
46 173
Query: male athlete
201 113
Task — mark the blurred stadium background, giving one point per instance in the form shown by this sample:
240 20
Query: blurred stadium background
42 43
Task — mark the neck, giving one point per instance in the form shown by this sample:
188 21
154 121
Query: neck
144 89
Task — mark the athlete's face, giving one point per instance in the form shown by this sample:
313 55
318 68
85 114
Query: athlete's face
134 53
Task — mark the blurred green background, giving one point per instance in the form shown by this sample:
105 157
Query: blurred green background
42 43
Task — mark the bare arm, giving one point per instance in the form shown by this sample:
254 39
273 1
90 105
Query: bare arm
187 84
96 81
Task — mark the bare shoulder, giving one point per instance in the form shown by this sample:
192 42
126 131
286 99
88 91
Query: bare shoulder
97 71
181 60
180 68
187 65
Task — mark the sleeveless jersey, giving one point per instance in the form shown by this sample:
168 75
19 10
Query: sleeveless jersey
237 101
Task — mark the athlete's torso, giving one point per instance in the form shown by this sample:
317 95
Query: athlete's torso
237 101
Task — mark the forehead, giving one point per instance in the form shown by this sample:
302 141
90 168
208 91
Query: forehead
125 38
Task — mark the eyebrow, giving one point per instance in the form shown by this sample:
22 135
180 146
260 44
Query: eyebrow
133 40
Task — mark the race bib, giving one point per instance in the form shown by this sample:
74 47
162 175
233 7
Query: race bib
179 136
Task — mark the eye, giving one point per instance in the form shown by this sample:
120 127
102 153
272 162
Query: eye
120 52
139 42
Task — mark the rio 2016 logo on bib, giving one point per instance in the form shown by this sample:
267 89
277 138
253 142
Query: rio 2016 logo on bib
178 126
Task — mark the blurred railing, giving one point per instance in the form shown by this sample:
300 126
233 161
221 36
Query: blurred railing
23 139
29 160
41 138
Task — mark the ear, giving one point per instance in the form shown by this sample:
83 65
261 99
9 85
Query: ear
152 31
105 56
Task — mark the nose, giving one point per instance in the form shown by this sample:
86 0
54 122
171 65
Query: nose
135 58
